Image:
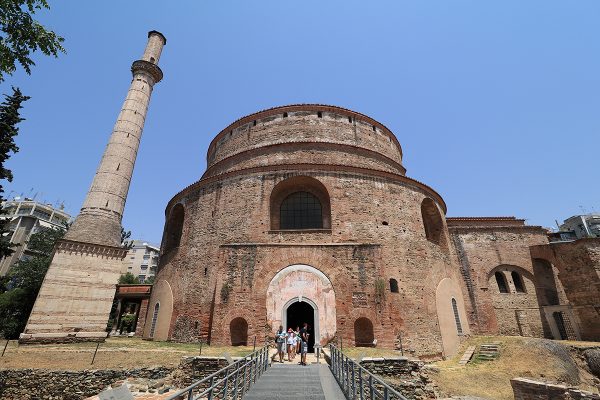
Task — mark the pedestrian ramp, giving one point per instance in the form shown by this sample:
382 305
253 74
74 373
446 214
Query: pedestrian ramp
293 381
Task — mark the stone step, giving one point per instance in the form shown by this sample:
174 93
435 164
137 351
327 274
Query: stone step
467 355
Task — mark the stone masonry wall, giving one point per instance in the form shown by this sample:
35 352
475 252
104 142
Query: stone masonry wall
228 253
527 389
482 251
370 242
31 384
578 264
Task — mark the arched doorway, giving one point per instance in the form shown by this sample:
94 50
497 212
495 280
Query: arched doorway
297 314
301 283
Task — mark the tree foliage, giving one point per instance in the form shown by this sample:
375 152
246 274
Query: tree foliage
128 279
124 236
9 119
22 35
24 282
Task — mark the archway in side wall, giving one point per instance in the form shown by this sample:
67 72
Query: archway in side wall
451 314
160 310
302 283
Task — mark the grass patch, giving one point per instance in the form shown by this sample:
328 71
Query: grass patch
356 352
540 359
115 353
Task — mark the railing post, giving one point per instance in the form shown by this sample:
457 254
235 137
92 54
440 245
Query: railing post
226 384
386 393
371 391
210 392
235 383
360 384
353 383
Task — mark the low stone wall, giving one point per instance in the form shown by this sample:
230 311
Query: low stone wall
527 389
30 384
409 377
192 369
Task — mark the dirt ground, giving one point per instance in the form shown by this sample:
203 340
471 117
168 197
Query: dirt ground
115 353
540 359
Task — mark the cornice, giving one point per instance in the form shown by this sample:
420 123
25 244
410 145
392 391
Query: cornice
302 145
318 168
72 246
148 67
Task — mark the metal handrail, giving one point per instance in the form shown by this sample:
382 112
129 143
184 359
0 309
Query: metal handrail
356 381
230 382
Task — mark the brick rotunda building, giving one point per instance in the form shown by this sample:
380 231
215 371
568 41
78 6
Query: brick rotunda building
305 214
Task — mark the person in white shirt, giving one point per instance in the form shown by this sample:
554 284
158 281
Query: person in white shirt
291 343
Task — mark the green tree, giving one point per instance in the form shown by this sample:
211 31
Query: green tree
150 280
128 279
22 35
24 282
124 236
9 119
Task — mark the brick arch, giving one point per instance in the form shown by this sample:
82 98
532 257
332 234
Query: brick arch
301 282
328 265
527 278
228 317
364 332
510 267
294 184
238 331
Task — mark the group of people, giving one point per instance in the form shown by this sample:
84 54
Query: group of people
292 342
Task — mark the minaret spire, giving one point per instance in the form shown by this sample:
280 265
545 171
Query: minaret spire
100 218
76 296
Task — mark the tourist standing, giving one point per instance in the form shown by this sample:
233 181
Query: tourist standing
304 344
280 339
291 345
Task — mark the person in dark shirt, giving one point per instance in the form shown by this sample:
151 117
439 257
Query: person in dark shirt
304 346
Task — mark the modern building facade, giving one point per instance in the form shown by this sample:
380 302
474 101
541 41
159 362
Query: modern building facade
583 226
141 260
26 217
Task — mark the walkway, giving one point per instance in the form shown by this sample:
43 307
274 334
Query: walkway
293 381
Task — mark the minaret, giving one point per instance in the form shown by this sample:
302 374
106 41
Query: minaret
75 300
100 218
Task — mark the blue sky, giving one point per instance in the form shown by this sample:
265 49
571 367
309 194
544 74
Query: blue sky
496 104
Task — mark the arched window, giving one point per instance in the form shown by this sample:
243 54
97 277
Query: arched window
518 281
238 330
363 333
301 210
154 319
173 229
501 281
456 317
393 285
300 202
432 222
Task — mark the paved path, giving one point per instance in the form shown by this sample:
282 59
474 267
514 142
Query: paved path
293 381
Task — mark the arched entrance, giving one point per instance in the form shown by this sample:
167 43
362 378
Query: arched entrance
297 312
301 293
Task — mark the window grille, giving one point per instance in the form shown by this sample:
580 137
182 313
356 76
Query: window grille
301 210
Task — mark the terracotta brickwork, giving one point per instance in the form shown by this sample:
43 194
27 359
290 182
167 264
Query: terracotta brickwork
492 249
230 251
578 265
